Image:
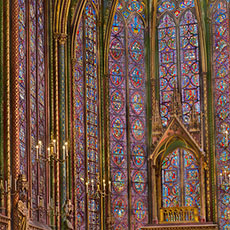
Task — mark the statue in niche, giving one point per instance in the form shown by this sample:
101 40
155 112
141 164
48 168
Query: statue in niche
23 213
68 212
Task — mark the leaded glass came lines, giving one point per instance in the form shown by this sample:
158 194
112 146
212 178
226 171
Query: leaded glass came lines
180 178
32 111
127 96
221 70
179 68
86 121
22 86
167 65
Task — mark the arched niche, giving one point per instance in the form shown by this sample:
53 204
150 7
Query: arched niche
175 166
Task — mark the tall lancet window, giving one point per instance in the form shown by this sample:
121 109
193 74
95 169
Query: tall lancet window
178 48
127 116
32 103
221 70
179 87
180 180
86 120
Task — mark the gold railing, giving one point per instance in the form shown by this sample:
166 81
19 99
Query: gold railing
179 215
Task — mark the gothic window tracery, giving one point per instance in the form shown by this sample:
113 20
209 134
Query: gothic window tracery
180 180
86 120
32 101
127 108
221 67
178 47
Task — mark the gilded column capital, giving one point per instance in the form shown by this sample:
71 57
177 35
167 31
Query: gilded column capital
56 36
73 62
62 38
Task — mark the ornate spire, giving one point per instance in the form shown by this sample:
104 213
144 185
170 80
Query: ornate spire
194 120
157 128
176 103
156 120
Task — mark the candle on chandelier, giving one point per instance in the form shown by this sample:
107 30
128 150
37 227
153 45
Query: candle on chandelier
54 145
40 147
37 152
86 184
66 149
6 186
220 178
110 186
63 147
104 184
48 149
92 184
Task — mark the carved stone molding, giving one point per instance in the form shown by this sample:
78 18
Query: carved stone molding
38 226
4 221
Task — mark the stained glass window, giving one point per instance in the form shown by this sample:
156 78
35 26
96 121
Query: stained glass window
32 99
167 65
190 80
86 118
180 178
33 104
221 68
127 96
178 41
171 181
22 86
41 98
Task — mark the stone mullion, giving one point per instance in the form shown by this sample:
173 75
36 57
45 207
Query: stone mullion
209 122
15 105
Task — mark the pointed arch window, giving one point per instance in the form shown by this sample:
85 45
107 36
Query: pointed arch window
127 116
180 179
86 119
32 102
178 47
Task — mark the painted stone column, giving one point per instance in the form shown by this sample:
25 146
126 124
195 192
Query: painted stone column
202 192
62 123
15 106
8 114
56 164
